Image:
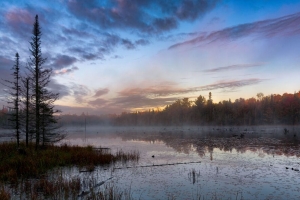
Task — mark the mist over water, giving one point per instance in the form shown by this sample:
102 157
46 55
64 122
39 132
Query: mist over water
255 162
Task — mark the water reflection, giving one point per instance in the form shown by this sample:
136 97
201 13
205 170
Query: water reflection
236 162
270 139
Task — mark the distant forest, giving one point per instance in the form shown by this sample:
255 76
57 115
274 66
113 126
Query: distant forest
262 110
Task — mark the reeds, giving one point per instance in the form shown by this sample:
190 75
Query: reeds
193 175
24 171
111 192
31 163
125 157
4 194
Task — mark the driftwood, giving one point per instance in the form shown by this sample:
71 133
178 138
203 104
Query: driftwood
184 163
83 193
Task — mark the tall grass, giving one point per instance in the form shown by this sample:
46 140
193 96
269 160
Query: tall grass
28 163
4 194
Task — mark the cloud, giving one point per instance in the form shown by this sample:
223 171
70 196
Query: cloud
80 92
233 67
5 68
116 57
140 101
164 89
85 53
101 92
231 85
75 32
142 42
62 61
150 93
112 40
5 63
128 44
98 102
20 21
139 15
65 71
56 87
99 48
282 26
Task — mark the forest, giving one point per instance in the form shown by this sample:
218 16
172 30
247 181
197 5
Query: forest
262 110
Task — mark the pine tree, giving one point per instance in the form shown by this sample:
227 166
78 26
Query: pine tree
14 99
27 111
43 98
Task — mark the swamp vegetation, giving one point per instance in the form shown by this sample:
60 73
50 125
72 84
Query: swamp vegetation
25 171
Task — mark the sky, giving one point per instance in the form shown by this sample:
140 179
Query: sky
111 56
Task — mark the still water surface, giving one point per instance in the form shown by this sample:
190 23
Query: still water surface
231 162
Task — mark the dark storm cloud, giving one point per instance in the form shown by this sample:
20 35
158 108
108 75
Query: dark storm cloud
282 26
140 15
233 67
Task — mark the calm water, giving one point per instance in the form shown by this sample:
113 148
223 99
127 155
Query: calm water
235 162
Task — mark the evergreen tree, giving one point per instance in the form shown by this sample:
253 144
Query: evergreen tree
14 98
43 98
27 114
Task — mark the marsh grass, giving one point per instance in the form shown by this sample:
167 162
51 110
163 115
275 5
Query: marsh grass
31 164
111 192
24 171
45 189
4 194
193 175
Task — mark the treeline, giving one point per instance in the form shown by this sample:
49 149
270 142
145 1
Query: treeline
85 119
263 110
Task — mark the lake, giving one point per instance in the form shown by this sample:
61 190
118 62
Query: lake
198 162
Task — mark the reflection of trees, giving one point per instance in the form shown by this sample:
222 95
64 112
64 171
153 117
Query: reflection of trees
202 142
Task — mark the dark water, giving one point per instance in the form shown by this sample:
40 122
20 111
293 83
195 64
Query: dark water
234 162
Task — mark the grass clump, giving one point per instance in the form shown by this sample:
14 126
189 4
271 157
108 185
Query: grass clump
26 162
4 194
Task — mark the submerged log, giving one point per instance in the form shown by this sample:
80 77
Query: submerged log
160 165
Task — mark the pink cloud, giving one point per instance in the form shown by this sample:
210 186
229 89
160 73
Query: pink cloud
19 16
